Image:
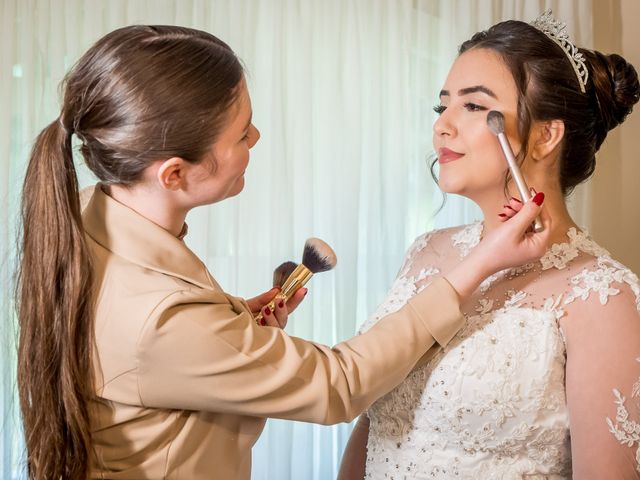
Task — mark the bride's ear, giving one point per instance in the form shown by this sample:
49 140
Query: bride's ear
546 138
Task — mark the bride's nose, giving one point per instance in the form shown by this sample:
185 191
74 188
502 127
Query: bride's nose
444 125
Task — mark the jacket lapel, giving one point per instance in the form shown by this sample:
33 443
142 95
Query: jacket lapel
129 235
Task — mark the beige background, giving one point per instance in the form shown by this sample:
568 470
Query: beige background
614 210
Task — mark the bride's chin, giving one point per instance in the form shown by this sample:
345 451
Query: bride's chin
472 190
451 185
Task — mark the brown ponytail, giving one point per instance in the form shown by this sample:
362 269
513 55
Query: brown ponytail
54 309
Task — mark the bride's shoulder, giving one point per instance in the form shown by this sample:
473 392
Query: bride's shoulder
435 249
440 240
470 232
595 275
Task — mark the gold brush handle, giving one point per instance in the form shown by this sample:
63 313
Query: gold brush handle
297 279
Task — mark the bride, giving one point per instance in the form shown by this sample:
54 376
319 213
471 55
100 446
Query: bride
543 381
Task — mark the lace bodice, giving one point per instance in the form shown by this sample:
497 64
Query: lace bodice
494 402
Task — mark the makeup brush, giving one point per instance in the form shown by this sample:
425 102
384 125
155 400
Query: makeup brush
317 257
495 121
281 273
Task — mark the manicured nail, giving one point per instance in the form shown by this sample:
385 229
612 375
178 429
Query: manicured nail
503 215
515 199
267 311
281 304
509 207
306 290
263 322
538 198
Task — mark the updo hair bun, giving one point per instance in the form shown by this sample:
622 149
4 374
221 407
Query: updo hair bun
615 85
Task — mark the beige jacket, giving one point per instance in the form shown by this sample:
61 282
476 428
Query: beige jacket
185 378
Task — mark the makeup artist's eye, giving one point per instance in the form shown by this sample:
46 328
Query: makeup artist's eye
439 109
474 107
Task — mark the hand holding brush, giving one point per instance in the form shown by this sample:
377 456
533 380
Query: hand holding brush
495 121
317 257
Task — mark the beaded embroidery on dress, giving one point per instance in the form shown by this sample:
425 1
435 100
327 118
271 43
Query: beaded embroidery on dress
492 403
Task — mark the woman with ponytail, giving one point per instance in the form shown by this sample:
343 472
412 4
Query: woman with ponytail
133 362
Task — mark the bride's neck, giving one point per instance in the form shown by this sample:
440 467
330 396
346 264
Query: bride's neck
554 203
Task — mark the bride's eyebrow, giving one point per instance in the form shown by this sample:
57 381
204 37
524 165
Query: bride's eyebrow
473 89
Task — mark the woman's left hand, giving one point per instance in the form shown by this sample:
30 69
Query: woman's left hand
279 316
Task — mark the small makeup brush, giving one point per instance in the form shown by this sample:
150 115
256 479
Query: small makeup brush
281 273
317 257
495 121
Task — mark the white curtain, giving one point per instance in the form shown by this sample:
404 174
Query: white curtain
342 92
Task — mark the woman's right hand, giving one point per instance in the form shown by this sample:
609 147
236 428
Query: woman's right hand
510 244
279 316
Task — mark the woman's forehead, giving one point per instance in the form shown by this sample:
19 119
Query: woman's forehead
480 67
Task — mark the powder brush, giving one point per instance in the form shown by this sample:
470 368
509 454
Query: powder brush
317 257
281 273
495 121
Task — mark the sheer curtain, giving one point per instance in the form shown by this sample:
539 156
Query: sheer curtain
342 93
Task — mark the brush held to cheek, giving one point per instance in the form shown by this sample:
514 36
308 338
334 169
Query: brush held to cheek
317 257
495 121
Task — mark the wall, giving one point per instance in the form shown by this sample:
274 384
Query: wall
614 215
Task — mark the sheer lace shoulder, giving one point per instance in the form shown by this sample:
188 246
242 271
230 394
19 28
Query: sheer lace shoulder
602 330
418 270
546 346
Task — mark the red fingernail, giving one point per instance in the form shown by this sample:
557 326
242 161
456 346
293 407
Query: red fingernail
263 322
538 198
281 304
514 198
502 215
509 207
267 311
306 290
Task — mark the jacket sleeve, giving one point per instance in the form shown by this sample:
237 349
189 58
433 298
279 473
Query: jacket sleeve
199 353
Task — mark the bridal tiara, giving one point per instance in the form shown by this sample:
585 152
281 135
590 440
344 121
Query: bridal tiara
555 30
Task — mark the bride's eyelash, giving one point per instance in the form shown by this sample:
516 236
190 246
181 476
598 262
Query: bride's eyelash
472 107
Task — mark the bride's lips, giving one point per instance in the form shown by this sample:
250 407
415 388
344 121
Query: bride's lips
445 155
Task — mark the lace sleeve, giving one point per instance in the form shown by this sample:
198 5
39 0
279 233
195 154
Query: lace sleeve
413 252
602 331
412 277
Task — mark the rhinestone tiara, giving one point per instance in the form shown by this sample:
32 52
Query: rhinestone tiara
556 31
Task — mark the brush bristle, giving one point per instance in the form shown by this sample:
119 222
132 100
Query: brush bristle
495 120
281 273
318 256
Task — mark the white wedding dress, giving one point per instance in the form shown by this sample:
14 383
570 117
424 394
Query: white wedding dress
540 341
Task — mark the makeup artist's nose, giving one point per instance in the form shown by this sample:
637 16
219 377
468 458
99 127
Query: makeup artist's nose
254 135
443 125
